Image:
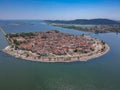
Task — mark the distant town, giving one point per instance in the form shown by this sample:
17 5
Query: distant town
54 46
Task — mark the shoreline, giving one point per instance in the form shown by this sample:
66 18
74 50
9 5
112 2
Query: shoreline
63 58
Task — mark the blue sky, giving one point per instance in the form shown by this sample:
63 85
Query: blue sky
59 9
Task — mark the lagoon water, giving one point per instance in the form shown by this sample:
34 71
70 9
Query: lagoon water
102 73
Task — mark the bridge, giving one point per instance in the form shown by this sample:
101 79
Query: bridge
3 31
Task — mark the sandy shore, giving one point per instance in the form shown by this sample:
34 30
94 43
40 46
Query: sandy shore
62 58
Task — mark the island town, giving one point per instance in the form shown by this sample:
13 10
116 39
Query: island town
54 46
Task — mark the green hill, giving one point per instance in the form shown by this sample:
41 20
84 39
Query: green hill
84 21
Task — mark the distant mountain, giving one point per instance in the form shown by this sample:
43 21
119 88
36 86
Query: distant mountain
84 21
118 21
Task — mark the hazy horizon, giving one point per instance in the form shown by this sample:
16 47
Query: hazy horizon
59 9
58 19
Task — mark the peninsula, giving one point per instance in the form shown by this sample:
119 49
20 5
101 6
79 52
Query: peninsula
54 46
92 25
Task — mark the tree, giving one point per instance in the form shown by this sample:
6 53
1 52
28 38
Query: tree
56 31
16 42
75 50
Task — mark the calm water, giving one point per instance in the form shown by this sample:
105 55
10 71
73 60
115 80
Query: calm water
97 74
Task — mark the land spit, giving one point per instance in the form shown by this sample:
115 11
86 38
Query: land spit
54 46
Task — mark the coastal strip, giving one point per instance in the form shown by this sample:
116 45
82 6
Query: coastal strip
74 58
